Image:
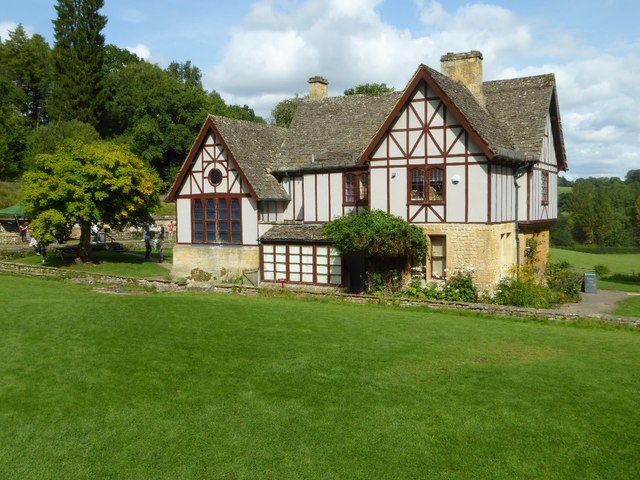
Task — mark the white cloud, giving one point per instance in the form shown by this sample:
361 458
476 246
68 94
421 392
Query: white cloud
141 50
279 45
276 49
5 28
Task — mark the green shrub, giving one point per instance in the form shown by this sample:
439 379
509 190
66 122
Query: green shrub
601 270
523 292
460 286
384 283
565 281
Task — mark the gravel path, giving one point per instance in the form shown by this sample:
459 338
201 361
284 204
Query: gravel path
601 302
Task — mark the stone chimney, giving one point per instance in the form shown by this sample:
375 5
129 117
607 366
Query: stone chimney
465 68
318 88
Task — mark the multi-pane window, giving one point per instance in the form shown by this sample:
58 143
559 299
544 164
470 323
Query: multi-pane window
544 180
356 188
217 220
438 256
417 185
426 185
296 263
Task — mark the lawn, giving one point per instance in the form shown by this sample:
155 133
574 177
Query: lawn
127 264
625 267
629 307
223 386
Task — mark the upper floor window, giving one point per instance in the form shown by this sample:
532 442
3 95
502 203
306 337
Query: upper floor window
544 183
356 188
426 185
217 220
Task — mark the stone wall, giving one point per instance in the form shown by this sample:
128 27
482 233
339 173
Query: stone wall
543 239
488 249
223 262
9 238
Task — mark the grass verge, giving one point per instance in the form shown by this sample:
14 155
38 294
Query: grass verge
224 386
629 307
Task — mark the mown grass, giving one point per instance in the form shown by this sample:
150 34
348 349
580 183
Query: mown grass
210 386
629 307
128 264
625 267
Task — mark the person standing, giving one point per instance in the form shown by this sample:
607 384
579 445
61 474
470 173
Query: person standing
146 236
23 231
159 244
170 230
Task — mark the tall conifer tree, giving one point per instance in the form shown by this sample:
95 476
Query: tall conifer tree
78 54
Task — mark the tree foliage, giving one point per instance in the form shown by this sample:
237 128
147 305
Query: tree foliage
369 89
157 112
26 62
47 138
377 234
283 113
87 183
78 57
599 211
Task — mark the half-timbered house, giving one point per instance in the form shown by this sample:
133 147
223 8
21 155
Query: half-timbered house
473 163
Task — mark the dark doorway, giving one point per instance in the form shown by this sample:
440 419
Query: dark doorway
354 272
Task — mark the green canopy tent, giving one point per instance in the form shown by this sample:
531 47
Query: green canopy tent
12 211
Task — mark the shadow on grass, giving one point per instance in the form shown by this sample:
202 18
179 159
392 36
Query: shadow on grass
69 260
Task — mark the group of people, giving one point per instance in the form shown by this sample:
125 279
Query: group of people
153 234
153 237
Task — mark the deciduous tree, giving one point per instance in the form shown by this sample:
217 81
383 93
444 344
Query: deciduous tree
88 183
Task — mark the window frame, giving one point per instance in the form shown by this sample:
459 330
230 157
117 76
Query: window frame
231 225
300 263
426 185
442 258
357 194
544 188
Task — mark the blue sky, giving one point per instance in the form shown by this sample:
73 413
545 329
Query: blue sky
259 52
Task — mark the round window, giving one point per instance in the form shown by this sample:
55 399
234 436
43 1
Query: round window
215 177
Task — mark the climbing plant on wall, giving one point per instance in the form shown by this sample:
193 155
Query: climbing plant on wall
377 234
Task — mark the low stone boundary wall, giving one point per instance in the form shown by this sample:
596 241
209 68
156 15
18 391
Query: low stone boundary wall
9 238
87 277
166 285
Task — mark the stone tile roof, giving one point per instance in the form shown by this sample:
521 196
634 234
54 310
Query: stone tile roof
254 147
295 232
334 131
520 106
485 125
